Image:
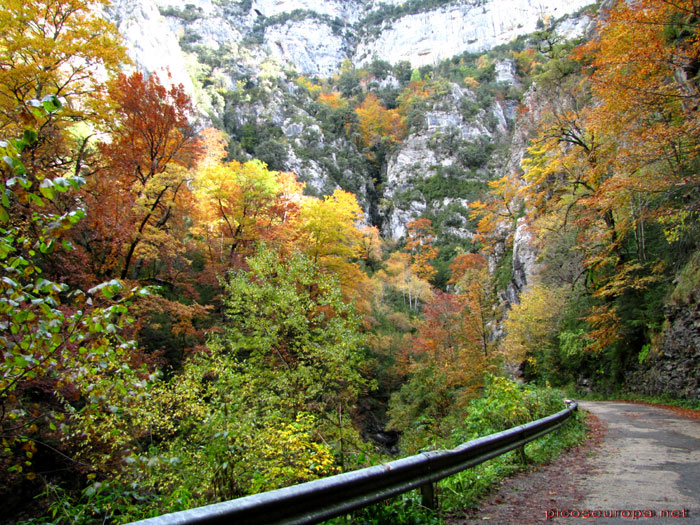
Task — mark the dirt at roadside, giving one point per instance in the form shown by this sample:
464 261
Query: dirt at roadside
525 497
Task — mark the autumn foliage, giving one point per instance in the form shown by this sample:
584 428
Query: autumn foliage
172 309
54 48
419 245
378 124
138 191
607 188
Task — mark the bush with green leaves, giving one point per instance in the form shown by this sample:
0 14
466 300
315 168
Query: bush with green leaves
189 13
106 502
270 403
506 404
503 404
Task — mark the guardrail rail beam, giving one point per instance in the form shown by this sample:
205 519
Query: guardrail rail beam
322 499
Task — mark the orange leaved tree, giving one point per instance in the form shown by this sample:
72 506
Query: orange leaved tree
419 245
135 197
444 368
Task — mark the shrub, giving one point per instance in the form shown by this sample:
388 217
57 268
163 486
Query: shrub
506 404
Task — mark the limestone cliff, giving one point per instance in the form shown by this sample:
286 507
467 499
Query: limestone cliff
433 35
239 61
450 148
314 38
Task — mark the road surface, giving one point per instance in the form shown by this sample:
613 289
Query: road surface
649 462
645 470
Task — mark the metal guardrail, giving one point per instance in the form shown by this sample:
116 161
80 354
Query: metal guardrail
325 498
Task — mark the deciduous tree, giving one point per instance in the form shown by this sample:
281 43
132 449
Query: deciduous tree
419 245
239 204
377 123
444 366
472 282
147 160
55 47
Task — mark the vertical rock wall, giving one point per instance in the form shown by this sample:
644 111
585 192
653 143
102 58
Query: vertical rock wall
674 367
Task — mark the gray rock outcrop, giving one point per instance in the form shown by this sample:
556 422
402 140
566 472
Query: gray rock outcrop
525 265
431 36
314 49
438 149
150 42
674 367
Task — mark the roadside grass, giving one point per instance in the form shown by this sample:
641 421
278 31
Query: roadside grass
465 489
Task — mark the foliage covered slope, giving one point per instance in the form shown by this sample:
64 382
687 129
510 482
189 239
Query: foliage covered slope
184 321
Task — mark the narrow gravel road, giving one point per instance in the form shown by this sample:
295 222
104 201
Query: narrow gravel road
643 467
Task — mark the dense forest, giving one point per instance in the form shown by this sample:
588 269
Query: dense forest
184 323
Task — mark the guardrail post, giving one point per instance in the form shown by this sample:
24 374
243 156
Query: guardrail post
523 457
429 499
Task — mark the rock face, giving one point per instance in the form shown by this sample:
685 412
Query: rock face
523 259
150 42
347 10
316 37
320 158
524 263
204 22
674 368
428 37
447 150
312 48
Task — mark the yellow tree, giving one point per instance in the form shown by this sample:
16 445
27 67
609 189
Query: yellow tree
498 213
397 275
55 47
609 171
416 92
329 227
370 247
239 204
55 54
532 326
645 66
645 75
569 174
330 235
577 187
333 99
377 123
